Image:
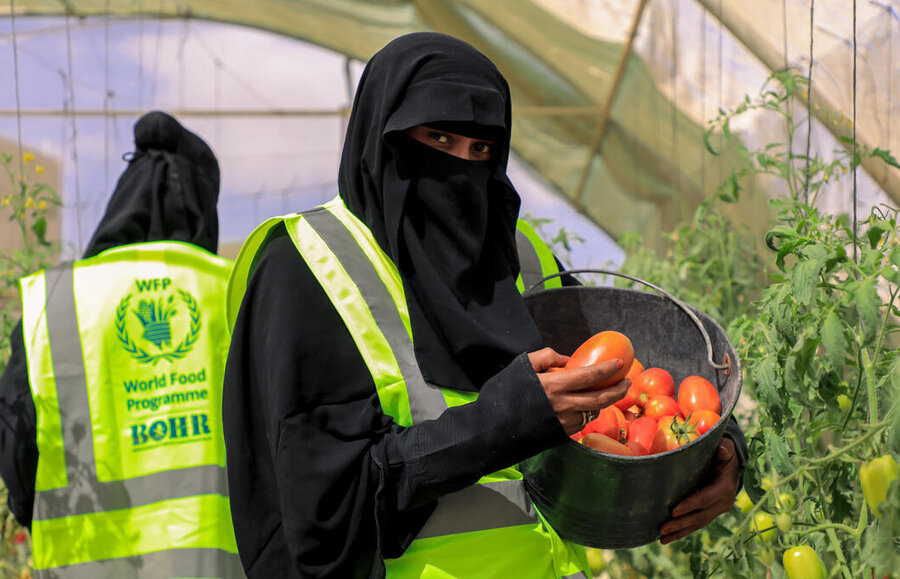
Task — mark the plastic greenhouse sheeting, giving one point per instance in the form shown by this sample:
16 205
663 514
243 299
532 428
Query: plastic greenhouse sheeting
690 58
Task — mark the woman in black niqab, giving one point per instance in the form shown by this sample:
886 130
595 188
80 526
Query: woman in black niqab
322 483
448 223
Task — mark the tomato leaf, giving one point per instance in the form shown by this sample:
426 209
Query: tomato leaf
877 231
805 277
834 341
767 388
780 455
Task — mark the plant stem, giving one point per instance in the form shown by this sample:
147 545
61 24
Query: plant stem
870 385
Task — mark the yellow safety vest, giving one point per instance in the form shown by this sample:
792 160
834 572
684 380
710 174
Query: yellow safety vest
126 355
488 530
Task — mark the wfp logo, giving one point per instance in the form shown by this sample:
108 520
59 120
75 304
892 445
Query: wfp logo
173 429
155 314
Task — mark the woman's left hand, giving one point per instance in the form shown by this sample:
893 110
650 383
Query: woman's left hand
699 509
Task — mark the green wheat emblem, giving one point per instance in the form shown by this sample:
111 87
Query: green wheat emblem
155 317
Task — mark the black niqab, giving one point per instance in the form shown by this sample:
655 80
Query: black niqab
448 223
168 192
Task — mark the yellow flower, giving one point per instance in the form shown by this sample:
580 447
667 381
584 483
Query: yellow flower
4 202
39 169
42 205
29 202
27 156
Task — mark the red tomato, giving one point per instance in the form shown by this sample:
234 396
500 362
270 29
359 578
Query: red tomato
636 368
601 347
636 448
632 414
703 420
673 432
628 400
696 393
660 406
610 422
649 383
605 444
641 431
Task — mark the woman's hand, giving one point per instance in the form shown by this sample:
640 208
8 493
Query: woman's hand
569 392
699 509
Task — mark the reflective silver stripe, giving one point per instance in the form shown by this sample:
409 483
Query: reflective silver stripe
84 496
476 508
68 370
579 575
426 401
529 263
85 493
481 507
159 565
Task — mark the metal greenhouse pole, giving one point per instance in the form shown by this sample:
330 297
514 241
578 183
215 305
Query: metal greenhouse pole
608 105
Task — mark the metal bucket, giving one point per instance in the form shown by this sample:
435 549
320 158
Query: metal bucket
619 502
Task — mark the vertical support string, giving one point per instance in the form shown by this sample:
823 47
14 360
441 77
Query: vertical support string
140 78
70 81
854 164
809 114
703 151
15 51
107 93
676 160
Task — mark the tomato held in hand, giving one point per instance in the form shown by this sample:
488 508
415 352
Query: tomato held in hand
703 420
641 431
649 383
601 347
696 393
672 432
660 406
610 422
605 444
803 563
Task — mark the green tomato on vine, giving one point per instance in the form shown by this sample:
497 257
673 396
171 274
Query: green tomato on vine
802 562
876 477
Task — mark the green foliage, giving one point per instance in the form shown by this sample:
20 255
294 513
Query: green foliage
25 203
818 341
560 243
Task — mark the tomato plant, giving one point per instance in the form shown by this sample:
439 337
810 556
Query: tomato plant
817 335
696 393
601 347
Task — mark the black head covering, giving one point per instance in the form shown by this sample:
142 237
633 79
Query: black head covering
448 223
169 190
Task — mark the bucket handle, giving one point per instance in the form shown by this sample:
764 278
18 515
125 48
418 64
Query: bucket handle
726 361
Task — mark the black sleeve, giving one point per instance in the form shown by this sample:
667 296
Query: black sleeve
322 482
18 432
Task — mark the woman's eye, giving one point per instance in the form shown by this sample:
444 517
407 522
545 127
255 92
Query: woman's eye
440 138
481 148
